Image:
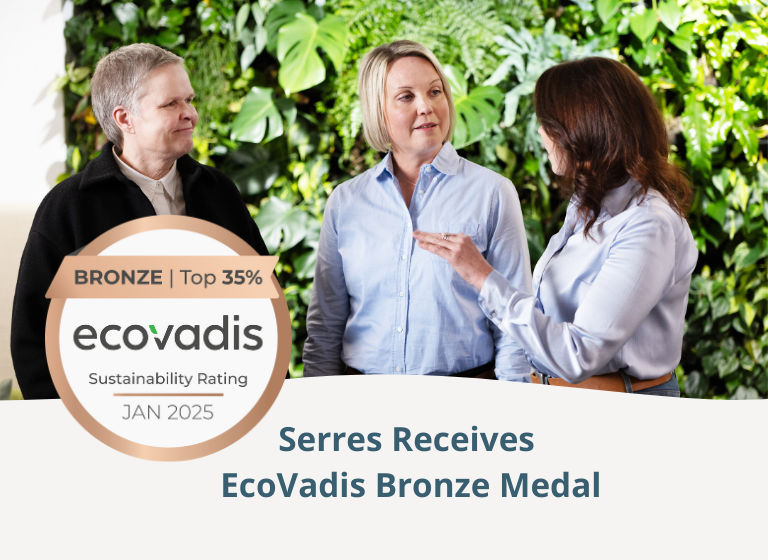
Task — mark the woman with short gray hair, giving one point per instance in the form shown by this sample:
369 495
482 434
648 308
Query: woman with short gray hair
378 306
118 79
142 98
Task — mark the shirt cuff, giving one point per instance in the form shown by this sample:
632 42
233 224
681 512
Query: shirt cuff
515 377
494 297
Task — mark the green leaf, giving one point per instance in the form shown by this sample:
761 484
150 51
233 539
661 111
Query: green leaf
476 111
301 66
606 8
670 14
643 25
258 14
760 294
126 13
733 223
744 255
172 18
248 56
745 393
58 84
681 80
512 99
720 307
282 14
169 39
722 180
258 111
82 106
727 365
683 39
252 168
279 218
304 265
242 18
534 234
696 124
696 385
747 312
78 74
584 5
747 137
260 39
716 210
128 16
154 14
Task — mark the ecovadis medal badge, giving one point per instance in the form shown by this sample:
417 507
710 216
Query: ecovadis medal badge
168 338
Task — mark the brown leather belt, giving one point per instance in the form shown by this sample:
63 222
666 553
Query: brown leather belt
606 382
482 372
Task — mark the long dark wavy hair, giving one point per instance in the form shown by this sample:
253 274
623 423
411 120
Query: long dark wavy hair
606 127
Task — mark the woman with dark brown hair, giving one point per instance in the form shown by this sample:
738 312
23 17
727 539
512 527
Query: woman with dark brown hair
611 290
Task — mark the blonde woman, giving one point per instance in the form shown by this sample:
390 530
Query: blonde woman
379 306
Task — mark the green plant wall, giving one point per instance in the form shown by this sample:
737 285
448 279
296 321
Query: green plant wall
277 81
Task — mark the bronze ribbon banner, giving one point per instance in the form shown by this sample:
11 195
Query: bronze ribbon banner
118 277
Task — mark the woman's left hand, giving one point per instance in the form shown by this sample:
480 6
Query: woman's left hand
460 252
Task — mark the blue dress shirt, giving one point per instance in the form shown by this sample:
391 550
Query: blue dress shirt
382 305
617 301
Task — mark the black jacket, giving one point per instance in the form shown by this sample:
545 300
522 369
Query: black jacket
75 213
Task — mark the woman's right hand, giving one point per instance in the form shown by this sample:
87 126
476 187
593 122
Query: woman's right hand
460 252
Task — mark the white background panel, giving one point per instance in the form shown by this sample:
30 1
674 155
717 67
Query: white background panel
678 479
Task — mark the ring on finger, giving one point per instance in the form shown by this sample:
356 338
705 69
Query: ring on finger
445 236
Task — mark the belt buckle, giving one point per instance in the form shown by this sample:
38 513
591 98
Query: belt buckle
544 378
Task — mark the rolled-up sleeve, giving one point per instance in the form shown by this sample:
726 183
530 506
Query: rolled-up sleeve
638 271
329 303
508 254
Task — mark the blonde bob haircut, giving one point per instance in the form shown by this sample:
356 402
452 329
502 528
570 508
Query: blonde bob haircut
372 82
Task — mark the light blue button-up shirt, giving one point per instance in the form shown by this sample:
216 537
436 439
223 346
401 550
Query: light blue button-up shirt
617 301
382 305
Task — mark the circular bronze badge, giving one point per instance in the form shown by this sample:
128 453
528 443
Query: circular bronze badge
168 338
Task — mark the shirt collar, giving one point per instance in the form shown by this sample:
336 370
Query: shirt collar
446 161
146 184
616 200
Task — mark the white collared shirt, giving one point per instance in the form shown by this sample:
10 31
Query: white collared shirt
166 194
615 301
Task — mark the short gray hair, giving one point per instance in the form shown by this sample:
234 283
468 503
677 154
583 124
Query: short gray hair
117 81
372 82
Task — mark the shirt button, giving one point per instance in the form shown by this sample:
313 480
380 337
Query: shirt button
493 314
404 257
421 192
402 294
399 329
397 368
428 168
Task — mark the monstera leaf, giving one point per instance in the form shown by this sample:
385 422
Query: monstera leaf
476 111
282 13
279 218
297 44
259 118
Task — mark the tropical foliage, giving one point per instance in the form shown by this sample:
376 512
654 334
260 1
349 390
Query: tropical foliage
277 81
